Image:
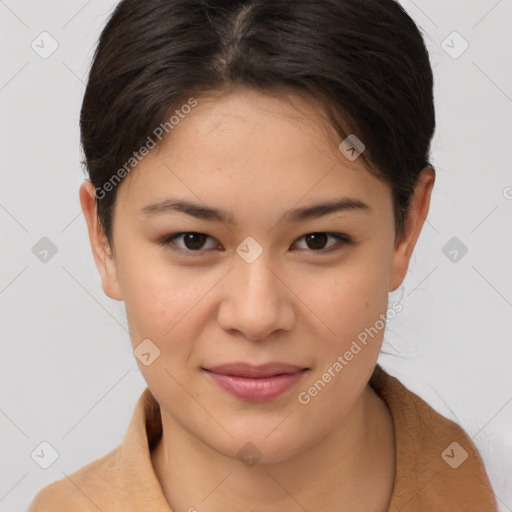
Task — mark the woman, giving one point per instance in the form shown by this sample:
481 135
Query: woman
259 176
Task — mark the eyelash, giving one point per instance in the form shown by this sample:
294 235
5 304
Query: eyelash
168 240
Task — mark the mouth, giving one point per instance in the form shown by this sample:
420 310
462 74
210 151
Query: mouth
256 383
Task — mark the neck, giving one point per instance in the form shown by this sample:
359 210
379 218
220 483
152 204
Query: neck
356 456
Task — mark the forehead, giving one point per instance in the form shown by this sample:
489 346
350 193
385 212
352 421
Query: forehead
249 149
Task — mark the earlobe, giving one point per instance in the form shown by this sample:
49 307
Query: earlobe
101 250
420 204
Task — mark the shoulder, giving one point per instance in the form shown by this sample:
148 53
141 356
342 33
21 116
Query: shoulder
438 467
87 489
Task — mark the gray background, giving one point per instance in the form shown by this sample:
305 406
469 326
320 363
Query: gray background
68 376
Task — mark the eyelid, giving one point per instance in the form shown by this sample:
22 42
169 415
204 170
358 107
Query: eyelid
168 240
343 239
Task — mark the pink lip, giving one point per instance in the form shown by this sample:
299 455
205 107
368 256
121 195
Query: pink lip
256 383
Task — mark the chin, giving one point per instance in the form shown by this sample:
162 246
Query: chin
264 445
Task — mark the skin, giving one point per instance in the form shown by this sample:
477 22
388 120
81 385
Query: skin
257 156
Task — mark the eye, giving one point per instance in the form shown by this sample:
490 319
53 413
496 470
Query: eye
316 241
192 241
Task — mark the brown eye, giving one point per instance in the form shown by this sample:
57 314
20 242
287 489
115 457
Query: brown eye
316 242
194 241
191 241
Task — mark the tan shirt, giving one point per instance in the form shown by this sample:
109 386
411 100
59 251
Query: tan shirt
432 474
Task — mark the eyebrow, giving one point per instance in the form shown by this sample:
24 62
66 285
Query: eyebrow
203 212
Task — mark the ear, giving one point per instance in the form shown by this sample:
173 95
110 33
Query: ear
414 221
101 250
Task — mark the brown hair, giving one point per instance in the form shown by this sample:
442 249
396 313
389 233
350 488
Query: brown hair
365 61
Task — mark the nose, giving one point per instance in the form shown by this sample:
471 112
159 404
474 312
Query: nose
256 302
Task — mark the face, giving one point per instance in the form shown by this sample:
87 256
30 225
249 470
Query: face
261 279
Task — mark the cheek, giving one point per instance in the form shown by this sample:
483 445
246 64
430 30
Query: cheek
349 298
159 297
164 304
351 306
162 307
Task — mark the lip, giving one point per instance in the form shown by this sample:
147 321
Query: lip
241 369
256 383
